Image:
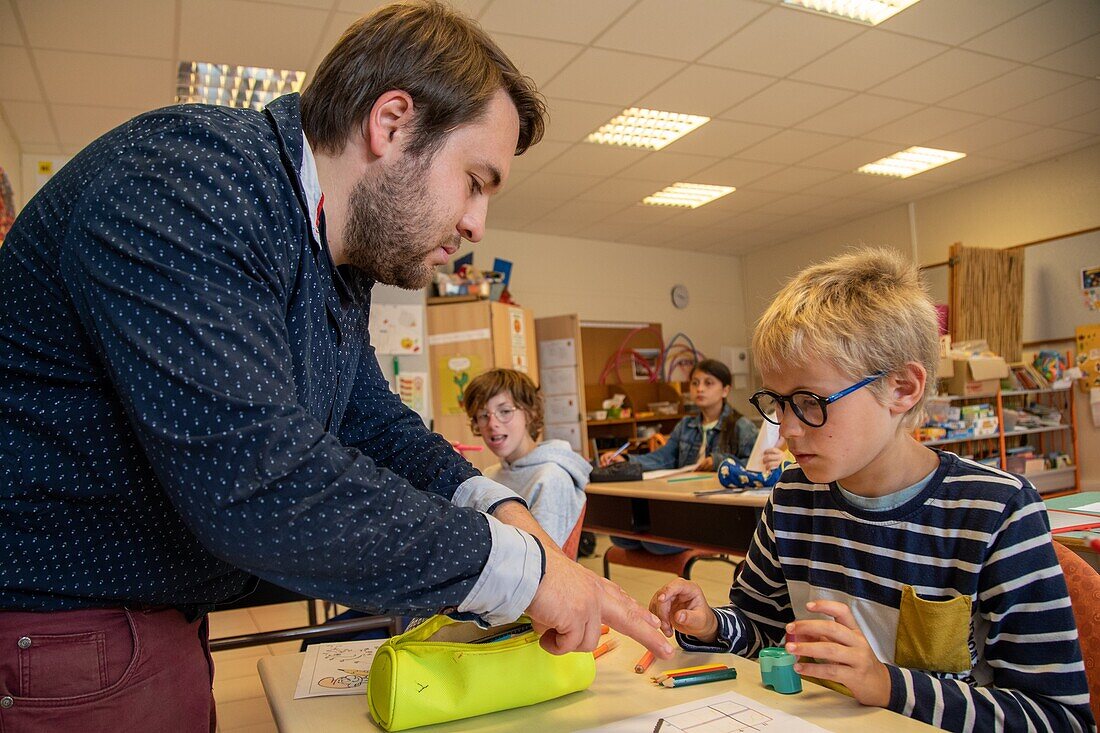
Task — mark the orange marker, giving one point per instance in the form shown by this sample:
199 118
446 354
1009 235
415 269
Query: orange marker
604 629
605 648
643 663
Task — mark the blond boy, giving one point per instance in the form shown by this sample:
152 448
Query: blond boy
922 582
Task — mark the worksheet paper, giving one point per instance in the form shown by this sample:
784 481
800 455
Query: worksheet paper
766 438
719 714
666 472
339 668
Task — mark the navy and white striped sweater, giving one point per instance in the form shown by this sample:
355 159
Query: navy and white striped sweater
974 532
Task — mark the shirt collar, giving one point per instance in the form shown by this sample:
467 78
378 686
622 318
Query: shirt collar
311 187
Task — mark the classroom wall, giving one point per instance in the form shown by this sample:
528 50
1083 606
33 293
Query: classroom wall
1048 199
610 281
10 156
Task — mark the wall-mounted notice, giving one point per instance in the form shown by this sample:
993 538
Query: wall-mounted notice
557 353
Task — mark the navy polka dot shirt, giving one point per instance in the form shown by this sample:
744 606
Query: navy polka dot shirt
188 395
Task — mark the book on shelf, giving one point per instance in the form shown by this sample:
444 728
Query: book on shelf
1024 376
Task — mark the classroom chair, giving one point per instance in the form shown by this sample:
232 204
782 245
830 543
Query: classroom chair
1083 583
573 541
680 563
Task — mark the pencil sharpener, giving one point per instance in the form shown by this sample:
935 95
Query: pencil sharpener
777 670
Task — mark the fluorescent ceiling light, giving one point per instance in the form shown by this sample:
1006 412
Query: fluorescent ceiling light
910 162
869 12
646 128
687 195
234 86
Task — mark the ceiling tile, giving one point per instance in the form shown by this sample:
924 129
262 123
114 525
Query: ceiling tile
608 232
786 103
990 131
857 115
555 186
1036 145
1063 23
704 90
666 168
656 235
104 26
536 157
101 80
744 199
620 190
867 60
921 126
1081 58
705 216
334 28
30 123
575 21
780 41
952 22
584 212
796 203
752 220
1063 105
517 207
610 77
17 82
794 179
238 32
846 185
537 58
594 160
572 122
557 228
848 156
9 33
848 208
680 30
791 146
1015 88
1085 123
79 125
721 138
735 172
642 215
947 74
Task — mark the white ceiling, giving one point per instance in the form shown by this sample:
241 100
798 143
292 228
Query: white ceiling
799 101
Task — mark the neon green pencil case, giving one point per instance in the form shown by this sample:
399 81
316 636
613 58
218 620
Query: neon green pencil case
446 670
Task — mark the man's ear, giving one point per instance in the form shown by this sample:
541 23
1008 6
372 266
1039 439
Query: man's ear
388 123
907 386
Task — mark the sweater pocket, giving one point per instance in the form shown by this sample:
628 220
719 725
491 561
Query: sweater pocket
933 636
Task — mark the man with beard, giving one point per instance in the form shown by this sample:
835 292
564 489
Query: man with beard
187 396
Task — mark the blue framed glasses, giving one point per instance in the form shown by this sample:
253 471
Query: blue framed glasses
807 406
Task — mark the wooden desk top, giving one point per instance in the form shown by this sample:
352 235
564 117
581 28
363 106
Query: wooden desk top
673 490
617 693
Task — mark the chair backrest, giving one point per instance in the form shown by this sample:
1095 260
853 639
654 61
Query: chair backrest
573 541
1083 583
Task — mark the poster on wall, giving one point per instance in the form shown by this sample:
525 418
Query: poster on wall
1090 285
517 330
455 373
396 329
7 205
410 388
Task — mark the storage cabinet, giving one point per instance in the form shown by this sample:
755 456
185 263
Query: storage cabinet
1011 434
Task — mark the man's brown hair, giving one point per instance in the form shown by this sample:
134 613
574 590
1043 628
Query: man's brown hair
448 65
525 396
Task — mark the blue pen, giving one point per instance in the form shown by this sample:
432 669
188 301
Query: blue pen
623 447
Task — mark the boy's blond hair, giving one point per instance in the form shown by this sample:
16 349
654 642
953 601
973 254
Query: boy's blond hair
863 312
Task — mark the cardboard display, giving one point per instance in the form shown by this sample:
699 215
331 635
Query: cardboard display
977 376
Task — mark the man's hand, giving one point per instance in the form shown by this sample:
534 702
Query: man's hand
841 652
681 605
572 602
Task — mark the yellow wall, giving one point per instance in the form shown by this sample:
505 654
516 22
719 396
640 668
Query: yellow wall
1045 200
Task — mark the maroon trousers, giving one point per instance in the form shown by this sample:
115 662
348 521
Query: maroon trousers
105 670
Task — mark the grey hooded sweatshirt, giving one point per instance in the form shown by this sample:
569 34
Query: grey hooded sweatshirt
551 479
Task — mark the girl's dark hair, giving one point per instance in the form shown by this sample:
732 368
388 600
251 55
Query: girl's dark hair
448 65
716 369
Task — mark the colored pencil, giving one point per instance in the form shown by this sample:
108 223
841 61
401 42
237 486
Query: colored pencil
643 663
604 629
689 478
689 670
605 648
701 678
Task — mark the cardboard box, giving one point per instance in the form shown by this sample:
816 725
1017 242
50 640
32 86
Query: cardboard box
978 376
945 368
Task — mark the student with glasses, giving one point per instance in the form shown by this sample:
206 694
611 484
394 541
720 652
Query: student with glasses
505 410
920 581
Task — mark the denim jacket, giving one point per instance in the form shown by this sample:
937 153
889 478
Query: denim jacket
682 448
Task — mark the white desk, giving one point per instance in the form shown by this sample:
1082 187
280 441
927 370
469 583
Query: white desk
616 694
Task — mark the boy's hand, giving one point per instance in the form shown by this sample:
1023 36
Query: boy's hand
609 457
842 653
682 606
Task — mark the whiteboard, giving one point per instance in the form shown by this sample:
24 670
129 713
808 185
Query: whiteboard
1054 304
